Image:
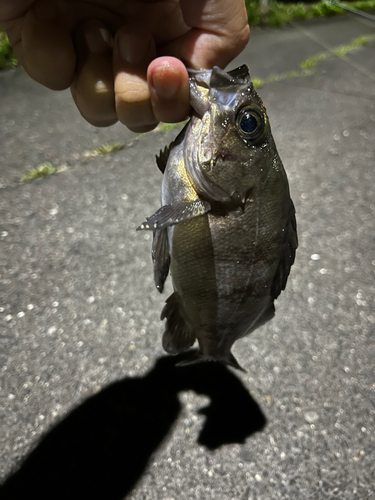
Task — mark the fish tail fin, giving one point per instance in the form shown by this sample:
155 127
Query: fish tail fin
198 357
230 360
178 335
195 358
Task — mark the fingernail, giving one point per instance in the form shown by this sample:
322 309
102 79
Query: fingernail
166 82
45 10
133 49
98 39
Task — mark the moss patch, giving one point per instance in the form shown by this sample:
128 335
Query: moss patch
42 170
307 66
258 82
312 61
164 127
279 14
339 51
105 149
7 57
342 50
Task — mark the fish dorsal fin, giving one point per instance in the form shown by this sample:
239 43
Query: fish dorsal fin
162 158
223 80
241 74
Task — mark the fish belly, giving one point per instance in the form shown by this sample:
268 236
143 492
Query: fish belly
222 277
246 255
193 273
246 249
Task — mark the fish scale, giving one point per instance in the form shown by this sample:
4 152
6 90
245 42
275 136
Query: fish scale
193 271
253 261
226 230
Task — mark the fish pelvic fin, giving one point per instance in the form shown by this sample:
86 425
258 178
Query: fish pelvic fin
198 357
160 258
178 335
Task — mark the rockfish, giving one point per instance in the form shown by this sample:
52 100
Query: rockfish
226 229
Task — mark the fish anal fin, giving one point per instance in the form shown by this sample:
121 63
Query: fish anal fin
178 335
174 213
160 258
162 157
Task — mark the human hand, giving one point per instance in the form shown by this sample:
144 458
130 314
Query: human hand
124 60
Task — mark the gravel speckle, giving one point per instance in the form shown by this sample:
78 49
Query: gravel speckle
311 417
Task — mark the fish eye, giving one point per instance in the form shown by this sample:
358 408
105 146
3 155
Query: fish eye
250 123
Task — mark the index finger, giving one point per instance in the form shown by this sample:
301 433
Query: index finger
219 32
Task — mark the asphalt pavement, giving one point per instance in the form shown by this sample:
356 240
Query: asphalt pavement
91 405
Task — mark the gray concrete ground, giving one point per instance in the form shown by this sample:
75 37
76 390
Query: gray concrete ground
84 380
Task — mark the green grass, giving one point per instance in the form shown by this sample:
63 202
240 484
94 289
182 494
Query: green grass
7 58
46 169
278 77
307 66
258 82
164 127
339 51
312 61
363 4
43 170
279 13
342 50
105 149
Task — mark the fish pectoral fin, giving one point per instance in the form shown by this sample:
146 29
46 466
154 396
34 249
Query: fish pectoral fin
160 258
178 335
177 212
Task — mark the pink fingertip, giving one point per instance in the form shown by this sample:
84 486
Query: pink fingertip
168 62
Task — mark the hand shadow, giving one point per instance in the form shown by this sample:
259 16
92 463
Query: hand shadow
101 448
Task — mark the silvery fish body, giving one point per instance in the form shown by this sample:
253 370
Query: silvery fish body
226 229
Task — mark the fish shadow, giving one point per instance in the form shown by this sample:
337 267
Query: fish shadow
102 447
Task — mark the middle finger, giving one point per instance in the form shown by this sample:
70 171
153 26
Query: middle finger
133 51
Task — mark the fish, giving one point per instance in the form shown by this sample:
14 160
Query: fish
226 230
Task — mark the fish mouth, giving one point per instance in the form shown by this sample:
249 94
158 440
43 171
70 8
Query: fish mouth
206 87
